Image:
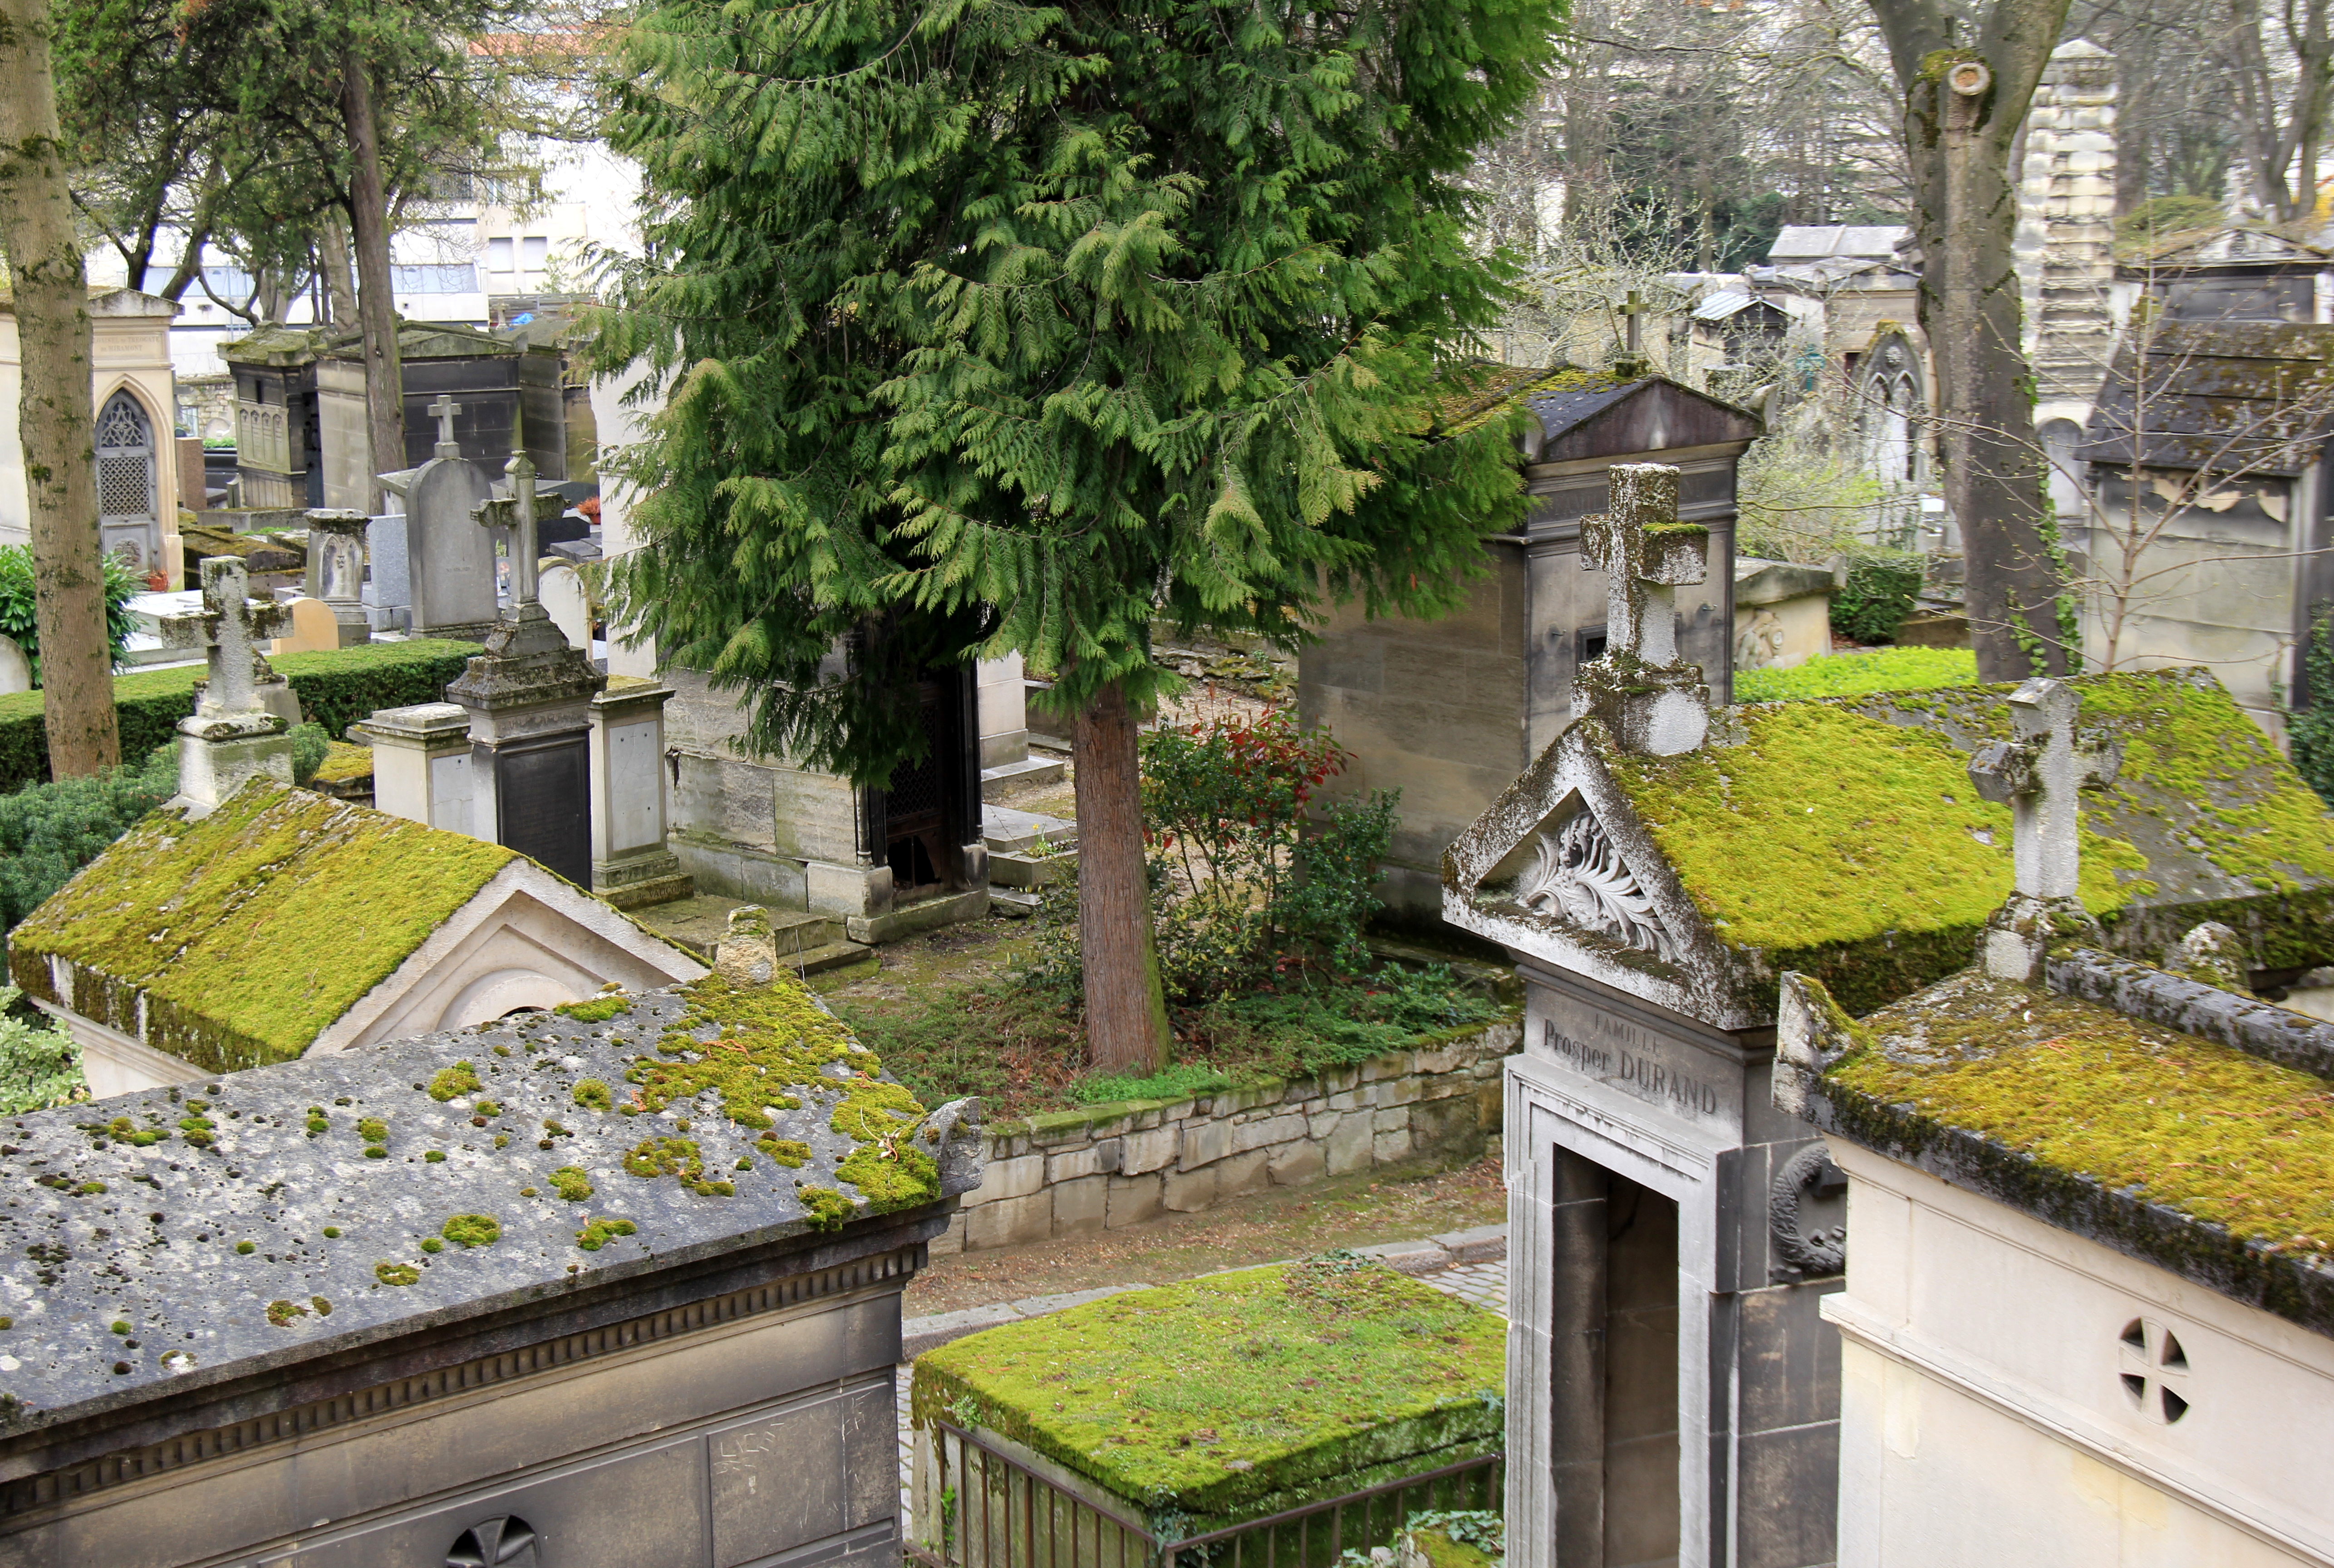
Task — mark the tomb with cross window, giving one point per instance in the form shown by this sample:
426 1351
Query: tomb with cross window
2090 1221
1448 711
1674 1390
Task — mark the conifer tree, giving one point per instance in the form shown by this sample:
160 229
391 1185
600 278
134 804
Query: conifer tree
985 326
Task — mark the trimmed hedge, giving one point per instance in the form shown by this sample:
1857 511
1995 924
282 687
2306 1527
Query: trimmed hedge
335 688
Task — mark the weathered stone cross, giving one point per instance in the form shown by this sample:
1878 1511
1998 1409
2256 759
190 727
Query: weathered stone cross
2039 776
231 626
520 517
1649 700
445 408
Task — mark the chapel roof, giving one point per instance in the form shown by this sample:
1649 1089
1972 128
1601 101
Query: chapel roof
338 1204
2207 1149
2256 397
241 936
1841 838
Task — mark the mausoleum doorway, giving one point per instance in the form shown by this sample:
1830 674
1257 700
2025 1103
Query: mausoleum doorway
127 522
931 809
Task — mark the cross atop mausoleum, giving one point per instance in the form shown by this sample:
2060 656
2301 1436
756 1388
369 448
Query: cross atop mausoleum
231 626
443 410
2038 776
1650 700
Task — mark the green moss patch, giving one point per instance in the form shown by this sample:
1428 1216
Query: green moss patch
571 1184
2165 1116
1232 1396
211 929
1845 674
472 1230
598 1010
596 1234
453 1082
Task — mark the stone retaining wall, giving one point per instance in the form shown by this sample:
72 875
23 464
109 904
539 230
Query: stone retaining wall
1106 1166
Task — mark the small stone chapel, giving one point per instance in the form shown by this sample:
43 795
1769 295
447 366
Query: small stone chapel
1449 711
1674 1392
2089 1315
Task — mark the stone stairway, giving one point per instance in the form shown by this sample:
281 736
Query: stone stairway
809 942
1027 851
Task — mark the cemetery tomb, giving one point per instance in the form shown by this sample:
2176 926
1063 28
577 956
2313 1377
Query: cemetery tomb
1450 711
132 396
489 380
2090 1225
1782 613
632 867
607 1288
1176 1411
287 924
1671 1234
278 452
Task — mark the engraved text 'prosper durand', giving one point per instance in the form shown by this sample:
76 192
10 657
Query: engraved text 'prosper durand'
1612 1061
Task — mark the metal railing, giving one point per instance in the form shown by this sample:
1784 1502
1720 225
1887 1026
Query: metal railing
1002 1514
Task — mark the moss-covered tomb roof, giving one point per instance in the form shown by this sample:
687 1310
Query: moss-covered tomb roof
2196 1155
1842 838
1236 1395
244 935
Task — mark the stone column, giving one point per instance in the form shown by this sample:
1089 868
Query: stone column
2066 229
421 764
529 698
631 865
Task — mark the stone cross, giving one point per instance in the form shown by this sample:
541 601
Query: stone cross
445 408
1648 699
232 626
520 517
1645 554
2037 776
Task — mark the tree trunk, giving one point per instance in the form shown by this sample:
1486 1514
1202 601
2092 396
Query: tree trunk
332 261
376 310
1126 1008
54 420
1963 109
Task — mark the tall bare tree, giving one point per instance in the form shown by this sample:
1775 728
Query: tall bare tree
54 420
1964 106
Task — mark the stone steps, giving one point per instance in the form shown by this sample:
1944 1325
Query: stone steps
1008 832
1014 868
1036 770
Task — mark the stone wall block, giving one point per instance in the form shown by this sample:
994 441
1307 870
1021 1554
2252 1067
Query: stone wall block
1393 1064
1014 1177
1390 1144
1110 1155
1204 1143
1010 1222
1295 1164
1451 1058
1082 1204
1188 1191
1131 1200
1348 1100
1394 1091
1270 1131
1150 1150
1348 1147
1073 1165
951 1240
1241 1174
1438 1124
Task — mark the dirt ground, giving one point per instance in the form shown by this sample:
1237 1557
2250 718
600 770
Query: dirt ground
1358 1210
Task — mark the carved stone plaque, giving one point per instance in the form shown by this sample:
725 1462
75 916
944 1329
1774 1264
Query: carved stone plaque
1634 1055
542 795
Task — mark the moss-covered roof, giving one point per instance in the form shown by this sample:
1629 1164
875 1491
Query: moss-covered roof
2215 1132
1235 1395
1842 837
244 935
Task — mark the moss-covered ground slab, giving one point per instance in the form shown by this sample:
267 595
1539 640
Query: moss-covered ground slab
2162 1115
1237 1395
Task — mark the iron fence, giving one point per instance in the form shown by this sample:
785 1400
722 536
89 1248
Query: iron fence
1000 1513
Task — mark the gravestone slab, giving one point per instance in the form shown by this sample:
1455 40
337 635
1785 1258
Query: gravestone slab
16 669
389 588
412 1301
561 590
314 628
451 560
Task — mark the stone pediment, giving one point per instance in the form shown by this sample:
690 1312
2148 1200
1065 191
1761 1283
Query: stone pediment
1562 868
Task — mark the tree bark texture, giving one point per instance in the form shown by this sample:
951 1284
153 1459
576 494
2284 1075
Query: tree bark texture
54 419
340 281
1127 1006
376 308
1963 107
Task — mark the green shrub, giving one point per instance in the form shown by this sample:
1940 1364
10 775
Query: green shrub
1877 597
1845 674
1248 880
16 618
336 688
39 1067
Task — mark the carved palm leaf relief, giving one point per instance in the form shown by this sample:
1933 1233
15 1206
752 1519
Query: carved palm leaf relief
1579 875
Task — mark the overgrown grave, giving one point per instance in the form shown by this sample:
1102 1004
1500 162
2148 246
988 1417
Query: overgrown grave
624 1273
1197 1407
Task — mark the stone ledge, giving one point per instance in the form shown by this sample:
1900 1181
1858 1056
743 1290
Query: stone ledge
918 1335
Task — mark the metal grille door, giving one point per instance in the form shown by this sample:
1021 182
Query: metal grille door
125 479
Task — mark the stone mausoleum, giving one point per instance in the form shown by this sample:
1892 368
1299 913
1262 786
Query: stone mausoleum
1449 711
1673 1394
2089 1315
603 1288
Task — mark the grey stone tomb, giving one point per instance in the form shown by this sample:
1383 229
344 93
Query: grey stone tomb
529 698
317 1315
336 569
449 561
231 734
